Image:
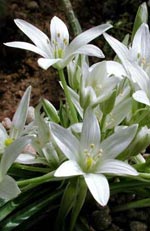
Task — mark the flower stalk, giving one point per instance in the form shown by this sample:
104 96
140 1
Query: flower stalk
73 113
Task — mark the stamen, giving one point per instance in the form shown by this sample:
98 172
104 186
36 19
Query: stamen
100 152
58 35
92 146
65 41
85 151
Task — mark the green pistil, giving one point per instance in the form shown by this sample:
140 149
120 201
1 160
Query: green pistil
89 162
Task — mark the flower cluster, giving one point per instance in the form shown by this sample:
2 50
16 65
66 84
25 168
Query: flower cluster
102 129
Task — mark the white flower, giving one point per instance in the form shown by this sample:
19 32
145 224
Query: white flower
138 52
92 159
57 51
17 129
136 61
97 83
8 186
140 48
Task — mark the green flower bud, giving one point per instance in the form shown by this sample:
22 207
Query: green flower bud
139 144
50 110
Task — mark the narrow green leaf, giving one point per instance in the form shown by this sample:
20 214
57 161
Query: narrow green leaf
81 190
67 203
28 211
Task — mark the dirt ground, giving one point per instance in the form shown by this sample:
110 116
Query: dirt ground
19 68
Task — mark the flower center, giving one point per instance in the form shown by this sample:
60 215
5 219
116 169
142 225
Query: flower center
91 157
59 44
143 62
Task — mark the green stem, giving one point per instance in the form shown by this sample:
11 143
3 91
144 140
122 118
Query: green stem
142 116
135 204
102 124
71 17
74 118
126 186
145 175
31 168
38 180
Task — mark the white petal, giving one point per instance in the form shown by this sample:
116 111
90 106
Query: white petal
19 118
116 143
119 112
26 46
8 188
98 73
3 137
141 44
140 96
138 75
88 96
117 167
135 73
26 158
99 187
68 143
86 37
76 128
90 50
115 68
12 152
46 63
107 88
120 49
90 131
37 36
68 168
59 31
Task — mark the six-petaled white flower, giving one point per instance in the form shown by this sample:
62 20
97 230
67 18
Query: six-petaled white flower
91 158
57 52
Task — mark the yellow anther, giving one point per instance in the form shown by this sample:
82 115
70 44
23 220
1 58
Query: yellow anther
92 145
55 42
100 152
65 41
58 35
8 141
143 60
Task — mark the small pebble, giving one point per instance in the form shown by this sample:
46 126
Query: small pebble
32 5
100 220
7 123
138 226
30 115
